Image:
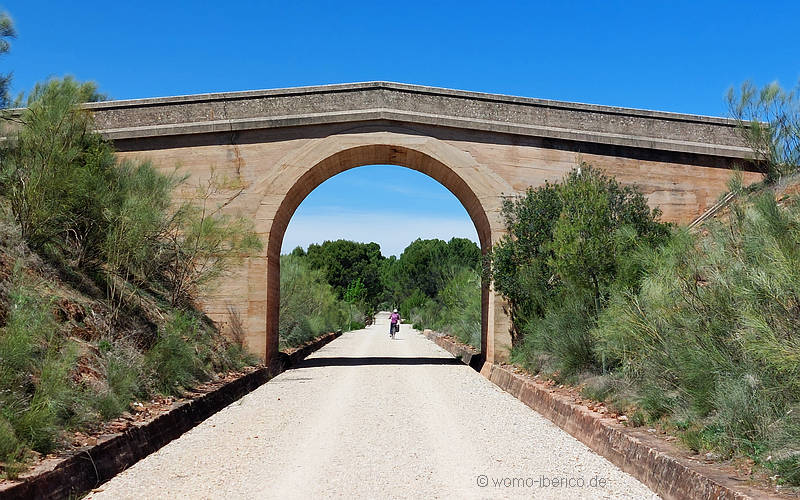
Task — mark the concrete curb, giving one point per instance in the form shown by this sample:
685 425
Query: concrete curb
95 465
467 354
653 463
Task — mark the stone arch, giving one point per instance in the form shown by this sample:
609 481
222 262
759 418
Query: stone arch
298 173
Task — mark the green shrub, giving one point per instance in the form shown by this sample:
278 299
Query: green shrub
714 325
125 380
10 446
36 393
56 175
426 313
657 403
787 469
308 305
564 333
75 204
568 247
355 325
415 301
744 412
300 332
174 360
138 217
597 388
461 307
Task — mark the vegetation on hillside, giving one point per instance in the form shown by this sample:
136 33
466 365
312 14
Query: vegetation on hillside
710 340
98 275
309 304
694 332
568 247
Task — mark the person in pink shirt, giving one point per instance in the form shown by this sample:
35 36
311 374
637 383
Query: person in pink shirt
394 323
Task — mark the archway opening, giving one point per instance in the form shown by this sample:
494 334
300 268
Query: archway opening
360 156
386 204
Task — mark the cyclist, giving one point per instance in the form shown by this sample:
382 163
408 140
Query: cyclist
394 323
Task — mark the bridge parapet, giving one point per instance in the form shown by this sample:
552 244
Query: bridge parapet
413 104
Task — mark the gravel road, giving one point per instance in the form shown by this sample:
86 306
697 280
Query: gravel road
371 417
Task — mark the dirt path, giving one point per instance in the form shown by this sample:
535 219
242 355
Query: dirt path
371 417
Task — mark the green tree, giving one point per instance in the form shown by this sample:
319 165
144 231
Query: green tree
56 172
6 31
462 252
344 261
769 121
356 292
568 246
586 246
423 266
427 265
521 260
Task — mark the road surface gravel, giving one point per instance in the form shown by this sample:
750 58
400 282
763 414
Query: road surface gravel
371 417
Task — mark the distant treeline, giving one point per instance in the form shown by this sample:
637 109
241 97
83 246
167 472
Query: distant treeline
433 283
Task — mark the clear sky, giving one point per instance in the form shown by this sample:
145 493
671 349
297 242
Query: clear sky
673 56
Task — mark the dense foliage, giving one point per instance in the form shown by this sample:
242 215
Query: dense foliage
345 262
99 242
567 248
710 340
309 305
455 310
769 122
437 285
693 332
425 266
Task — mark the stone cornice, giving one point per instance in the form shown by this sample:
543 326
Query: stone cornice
413 104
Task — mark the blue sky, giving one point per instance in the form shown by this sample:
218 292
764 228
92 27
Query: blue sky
674 56
395 206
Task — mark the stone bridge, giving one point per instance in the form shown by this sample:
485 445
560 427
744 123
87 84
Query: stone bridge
278 145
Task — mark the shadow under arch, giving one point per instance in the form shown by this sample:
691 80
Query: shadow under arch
309 167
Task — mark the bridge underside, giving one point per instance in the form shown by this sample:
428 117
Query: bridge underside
278 145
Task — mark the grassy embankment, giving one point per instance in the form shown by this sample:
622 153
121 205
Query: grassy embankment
692 332
309 305
98 275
